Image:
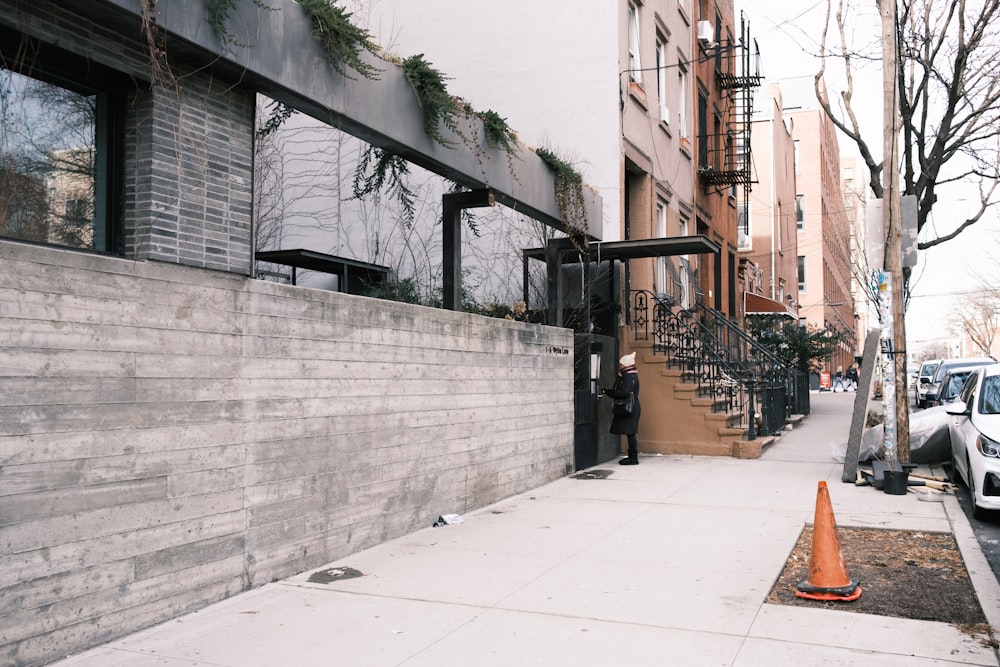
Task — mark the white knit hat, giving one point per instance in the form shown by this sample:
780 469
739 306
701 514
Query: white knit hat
627 360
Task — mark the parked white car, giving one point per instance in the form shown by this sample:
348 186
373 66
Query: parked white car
923 377
974 428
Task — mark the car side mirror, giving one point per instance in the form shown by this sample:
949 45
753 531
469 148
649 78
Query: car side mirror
958 408
925 380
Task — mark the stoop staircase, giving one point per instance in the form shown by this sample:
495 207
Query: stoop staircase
708 388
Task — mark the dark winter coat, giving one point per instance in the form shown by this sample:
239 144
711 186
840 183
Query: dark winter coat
627 383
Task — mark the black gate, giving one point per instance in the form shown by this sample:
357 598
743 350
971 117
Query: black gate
595 365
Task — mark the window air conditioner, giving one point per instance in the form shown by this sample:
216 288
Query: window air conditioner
706 35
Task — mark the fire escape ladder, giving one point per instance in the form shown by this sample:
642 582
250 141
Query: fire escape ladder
738 77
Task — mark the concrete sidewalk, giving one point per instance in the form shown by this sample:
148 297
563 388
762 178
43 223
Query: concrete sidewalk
664 563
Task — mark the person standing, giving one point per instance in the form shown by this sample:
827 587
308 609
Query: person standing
839 380
627 386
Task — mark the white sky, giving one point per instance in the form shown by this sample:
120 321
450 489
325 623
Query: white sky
788 35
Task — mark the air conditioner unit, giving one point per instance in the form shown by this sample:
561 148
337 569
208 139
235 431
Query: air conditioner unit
706 35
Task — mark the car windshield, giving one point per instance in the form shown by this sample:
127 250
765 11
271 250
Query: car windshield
928 369
990 403
945 367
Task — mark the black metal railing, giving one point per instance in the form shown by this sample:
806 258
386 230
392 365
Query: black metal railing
743 377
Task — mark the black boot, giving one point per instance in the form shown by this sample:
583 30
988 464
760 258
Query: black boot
632 459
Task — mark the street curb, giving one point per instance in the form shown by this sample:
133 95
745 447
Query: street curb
980 574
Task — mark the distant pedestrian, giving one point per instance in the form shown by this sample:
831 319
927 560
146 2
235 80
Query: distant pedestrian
852 377
838 380
626 390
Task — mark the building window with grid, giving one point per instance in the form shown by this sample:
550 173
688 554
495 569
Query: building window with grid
800 214
802 273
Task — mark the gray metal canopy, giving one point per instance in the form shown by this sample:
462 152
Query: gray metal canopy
599 251
564 250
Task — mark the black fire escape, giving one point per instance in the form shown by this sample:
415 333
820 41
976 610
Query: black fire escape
727 160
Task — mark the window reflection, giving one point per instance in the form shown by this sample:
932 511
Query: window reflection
48 163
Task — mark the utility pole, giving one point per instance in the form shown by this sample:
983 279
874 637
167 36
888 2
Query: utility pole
895 402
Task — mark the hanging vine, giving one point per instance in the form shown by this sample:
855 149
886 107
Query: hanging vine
569 194
343 41
219 12
156 45
279 113
497 131
380 171
439 107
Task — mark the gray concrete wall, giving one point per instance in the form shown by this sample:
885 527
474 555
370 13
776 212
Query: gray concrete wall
171 436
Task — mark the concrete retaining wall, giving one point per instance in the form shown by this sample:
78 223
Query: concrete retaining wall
170 436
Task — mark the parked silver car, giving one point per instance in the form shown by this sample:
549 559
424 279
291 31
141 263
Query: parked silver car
950 386
929 388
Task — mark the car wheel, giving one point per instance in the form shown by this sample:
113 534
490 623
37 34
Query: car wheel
977 511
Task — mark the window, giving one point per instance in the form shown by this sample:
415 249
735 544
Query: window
660 279
702 130
685 271
802 273
991 396
58 146
718 52
743 226
634 64
661 80
800 214
682 104
795 155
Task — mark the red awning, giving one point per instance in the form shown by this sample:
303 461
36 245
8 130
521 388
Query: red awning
755 304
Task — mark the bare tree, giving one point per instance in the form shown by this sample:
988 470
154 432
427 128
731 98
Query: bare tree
978 315
948 82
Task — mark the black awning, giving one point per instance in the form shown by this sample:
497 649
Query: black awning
598 251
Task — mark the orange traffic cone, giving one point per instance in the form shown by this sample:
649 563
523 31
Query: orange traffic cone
828 578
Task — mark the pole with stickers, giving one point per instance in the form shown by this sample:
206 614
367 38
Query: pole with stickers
888 363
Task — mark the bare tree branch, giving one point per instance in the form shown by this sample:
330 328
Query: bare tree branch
949 93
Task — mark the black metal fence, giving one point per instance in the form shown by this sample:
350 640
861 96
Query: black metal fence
742 376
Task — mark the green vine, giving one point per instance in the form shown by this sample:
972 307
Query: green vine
432 94
378 171
279 113
569 193
498 133
343 41
219 12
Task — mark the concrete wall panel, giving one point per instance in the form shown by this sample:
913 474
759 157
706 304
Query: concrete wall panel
171 435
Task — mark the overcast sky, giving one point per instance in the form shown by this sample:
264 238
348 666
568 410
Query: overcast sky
788 35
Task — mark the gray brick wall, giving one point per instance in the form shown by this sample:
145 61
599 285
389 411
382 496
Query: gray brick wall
171 436
189 175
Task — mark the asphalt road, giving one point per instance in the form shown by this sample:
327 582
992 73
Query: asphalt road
987 531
